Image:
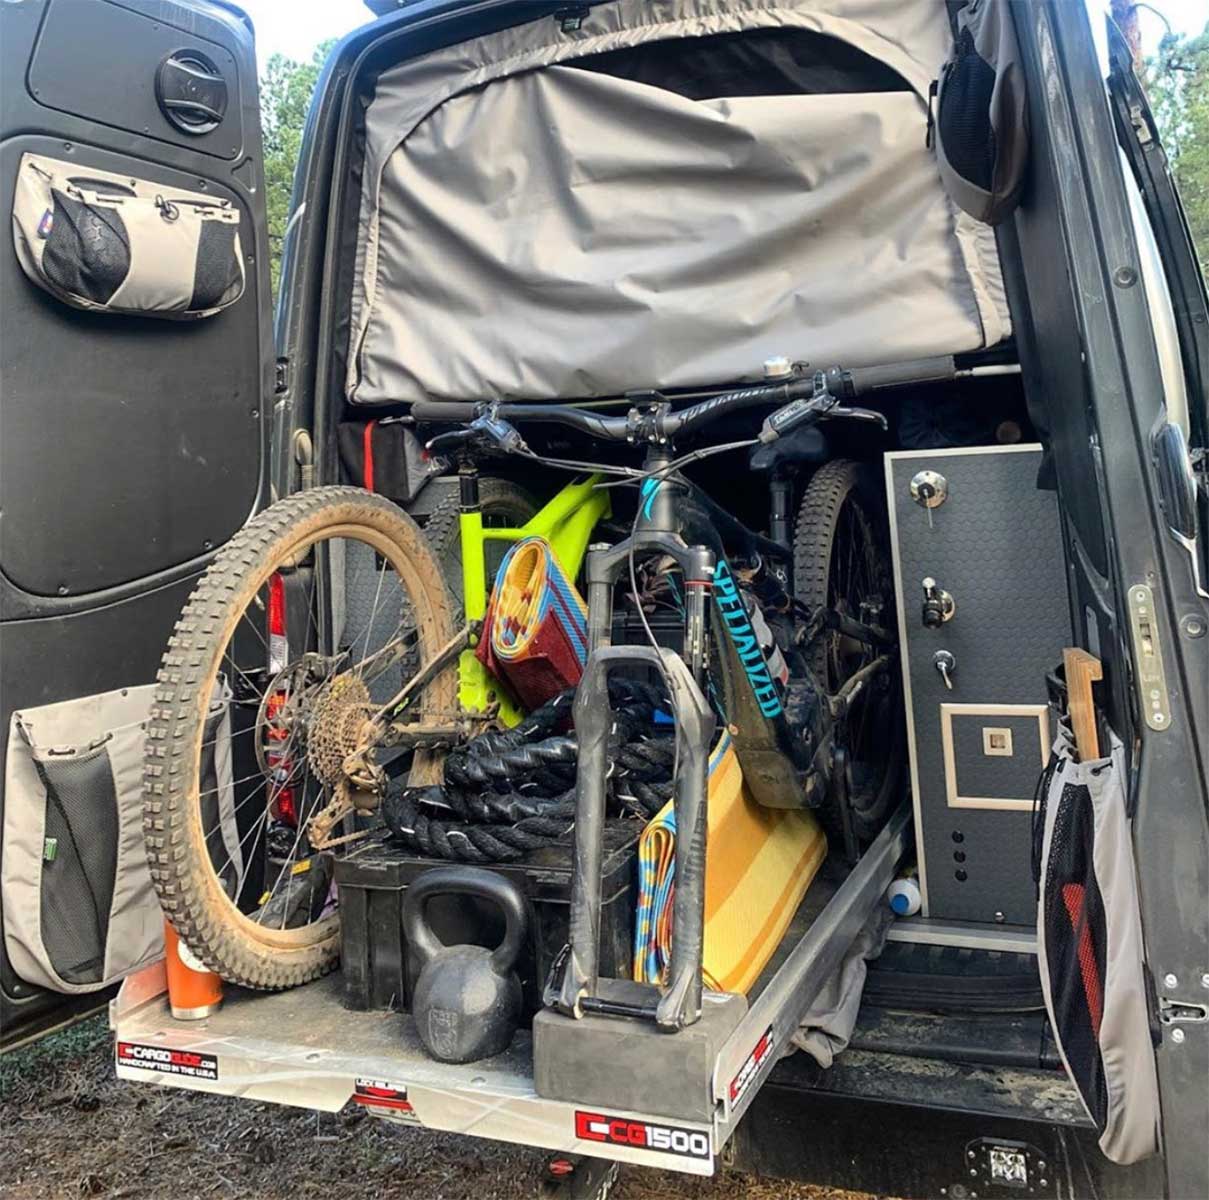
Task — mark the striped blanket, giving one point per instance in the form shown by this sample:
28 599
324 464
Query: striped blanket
758 864
535 631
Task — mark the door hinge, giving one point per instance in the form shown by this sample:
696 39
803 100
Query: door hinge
304 456
1137 118
281 377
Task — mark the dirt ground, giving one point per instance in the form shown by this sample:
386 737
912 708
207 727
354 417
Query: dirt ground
70 1128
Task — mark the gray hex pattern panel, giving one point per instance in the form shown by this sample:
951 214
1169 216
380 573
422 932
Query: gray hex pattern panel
995 545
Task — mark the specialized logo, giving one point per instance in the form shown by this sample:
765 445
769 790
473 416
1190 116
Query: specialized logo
751 1066
641 1135
169 1062
743 637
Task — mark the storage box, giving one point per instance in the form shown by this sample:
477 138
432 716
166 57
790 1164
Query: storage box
980 739
373 879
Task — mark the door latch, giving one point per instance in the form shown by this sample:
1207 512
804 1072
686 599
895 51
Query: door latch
939 606
946 664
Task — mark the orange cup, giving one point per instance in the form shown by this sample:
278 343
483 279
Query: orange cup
193 991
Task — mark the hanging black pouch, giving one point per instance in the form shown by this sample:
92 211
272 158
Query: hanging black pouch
1089 945
981 125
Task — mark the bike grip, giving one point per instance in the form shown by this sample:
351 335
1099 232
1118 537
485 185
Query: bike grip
444 410
919 370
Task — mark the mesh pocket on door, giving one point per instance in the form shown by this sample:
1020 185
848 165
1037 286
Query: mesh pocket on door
1089 943
79 863
111 244
1073 913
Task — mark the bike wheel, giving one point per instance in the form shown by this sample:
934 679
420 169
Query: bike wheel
264 689
842 562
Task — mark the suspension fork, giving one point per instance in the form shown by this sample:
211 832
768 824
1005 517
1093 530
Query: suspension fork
659 529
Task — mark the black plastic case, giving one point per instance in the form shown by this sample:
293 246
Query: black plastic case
373 879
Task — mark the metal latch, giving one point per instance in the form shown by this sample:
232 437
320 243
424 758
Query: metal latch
571 18
1172 1012
1148 657
281 376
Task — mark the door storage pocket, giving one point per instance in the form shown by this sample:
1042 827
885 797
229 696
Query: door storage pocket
1089 942
79 907
110 243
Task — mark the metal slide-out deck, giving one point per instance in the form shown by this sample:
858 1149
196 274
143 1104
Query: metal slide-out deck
303 1047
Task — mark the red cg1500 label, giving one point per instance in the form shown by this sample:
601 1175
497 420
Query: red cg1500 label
641 1135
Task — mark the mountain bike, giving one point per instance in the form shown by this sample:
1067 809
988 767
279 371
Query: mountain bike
322 657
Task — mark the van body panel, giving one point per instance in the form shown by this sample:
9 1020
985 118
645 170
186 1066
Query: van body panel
131 447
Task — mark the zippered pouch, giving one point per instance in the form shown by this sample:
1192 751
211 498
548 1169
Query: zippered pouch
111 243
1089 945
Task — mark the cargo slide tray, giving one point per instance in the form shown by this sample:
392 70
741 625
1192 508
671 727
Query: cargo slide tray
302 1047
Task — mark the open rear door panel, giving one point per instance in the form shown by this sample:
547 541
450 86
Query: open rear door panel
1075 271
132 437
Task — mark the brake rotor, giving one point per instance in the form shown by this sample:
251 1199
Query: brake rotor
337 721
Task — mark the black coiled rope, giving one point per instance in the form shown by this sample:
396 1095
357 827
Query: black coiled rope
507 793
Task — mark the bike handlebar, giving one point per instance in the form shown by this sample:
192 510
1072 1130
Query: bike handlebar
859 381
453 411
812 396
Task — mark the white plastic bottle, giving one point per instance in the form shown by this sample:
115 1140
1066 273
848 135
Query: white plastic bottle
903 895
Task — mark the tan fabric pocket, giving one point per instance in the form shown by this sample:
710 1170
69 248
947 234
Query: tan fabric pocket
80 910
110 243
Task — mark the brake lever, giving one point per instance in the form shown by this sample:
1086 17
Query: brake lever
445 442
867 415
489 431
804 411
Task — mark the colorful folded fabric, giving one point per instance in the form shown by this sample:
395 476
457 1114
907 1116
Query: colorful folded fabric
535 632
758 864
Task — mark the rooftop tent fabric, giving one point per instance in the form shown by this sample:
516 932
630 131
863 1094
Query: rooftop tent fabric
535 229
757 62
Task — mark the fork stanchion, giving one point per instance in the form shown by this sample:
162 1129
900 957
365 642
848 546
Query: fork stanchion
579 992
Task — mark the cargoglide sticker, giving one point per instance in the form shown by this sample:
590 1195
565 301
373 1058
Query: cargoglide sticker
188 1063
751 1065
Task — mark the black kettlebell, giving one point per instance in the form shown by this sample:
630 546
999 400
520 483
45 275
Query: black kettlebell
467 1000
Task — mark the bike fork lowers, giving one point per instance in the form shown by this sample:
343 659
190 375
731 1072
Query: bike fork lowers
580 992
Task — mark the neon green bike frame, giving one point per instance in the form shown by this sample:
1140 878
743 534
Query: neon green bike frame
566 522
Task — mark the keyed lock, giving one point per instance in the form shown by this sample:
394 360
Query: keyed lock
946 664
938 607
929 489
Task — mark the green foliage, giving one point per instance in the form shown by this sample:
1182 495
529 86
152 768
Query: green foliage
1177 85
285 98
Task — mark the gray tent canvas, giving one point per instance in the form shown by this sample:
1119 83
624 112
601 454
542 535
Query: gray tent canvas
538 230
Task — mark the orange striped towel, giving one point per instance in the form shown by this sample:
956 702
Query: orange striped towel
758 864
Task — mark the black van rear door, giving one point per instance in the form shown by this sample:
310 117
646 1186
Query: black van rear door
131 447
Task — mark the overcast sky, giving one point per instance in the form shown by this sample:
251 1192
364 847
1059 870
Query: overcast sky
296 27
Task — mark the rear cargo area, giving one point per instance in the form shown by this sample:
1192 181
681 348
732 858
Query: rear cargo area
658 205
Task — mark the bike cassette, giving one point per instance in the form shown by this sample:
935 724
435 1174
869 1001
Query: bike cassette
337 726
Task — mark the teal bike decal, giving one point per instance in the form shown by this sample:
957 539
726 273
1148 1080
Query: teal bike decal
743 638
649 488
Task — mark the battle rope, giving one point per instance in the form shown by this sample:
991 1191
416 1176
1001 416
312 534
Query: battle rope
510 792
